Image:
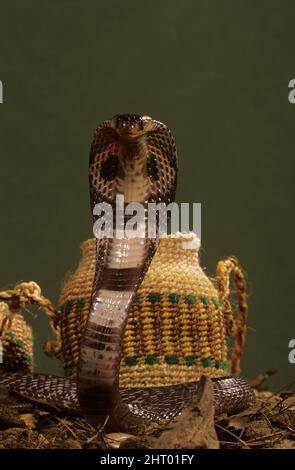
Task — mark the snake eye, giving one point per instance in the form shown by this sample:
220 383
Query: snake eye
118 119
109 168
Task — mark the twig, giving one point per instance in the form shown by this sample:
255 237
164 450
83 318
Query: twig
68 428
268 436
232 434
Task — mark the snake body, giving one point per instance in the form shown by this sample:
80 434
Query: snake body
135 157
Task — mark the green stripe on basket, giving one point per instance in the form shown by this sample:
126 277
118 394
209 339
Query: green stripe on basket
174 360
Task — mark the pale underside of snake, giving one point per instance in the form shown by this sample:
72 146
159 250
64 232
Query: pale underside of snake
133 156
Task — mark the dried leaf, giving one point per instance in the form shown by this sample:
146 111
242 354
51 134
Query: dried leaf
194 428
258 429
115 439
285 419
29 419
259 379
243 419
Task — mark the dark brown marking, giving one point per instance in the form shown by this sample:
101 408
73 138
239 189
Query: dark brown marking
91 343
93 333
109 168
120 279
103 329
152 167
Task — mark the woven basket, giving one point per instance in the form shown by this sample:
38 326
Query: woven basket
178 323
15 334
16 340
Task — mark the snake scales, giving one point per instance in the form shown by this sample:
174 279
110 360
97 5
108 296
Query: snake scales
134 156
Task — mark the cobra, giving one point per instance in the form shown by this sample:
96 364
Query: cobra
134 156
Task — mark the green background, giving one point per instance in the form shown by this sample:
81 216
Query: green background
217 73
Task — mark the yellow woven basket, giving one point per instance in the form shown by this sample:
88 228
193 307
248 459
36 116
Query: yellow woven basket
16 340
16 336
178 323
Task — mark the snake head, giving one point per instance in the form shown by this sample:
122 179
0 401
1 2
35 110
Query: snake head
131 125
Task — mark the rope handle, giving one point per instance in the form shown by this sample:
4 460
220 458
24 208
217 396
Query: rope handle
234 326
26 293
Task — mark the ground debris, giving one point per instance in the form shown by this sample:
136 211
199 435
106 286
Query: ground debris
269 423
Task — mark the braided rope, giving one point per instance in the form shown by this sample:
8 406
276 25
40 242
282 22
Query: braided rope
26 293
236 327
